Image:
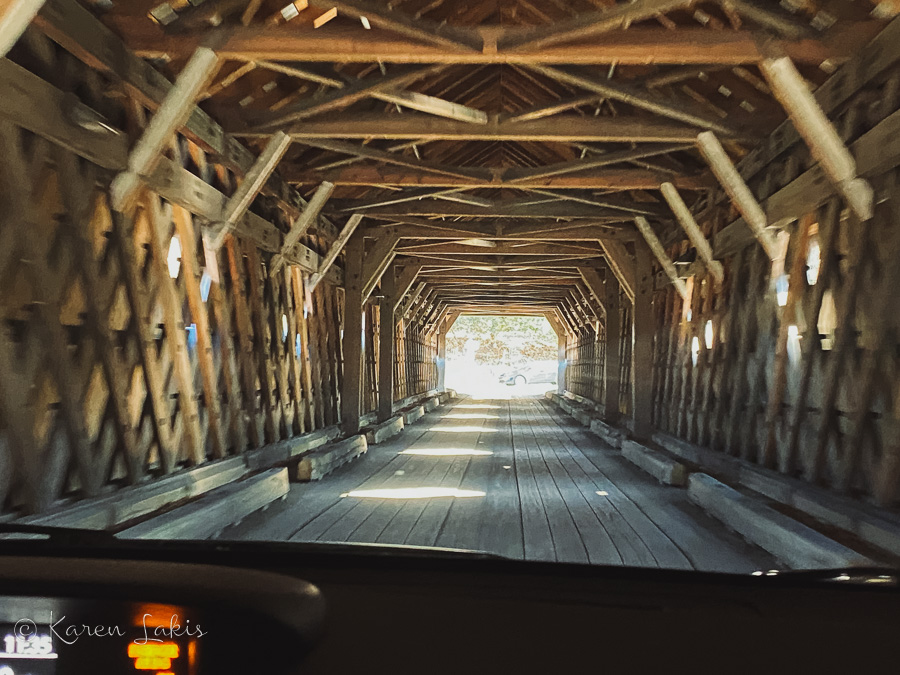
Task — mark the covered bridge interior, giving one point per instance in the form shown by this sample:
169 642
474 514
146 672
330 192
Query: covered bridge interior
231 228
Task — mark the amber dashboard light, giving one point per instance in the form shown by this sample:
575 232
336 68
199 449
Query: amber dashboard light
156 656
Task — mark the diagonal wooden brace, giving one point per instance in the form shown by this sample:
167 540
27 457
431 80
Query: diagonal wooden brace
660 253
695 234
15 16
377 261
253 182
334 251
169 117
737 190
303 223
820 135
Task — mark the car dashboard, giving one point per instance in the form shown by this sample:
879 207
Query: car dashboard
192 608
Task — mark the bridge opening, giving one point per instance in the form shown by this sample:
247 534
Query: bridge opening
500 355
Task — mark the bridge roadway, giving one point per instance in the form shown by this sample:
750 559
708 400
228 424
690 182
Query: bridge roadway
510 476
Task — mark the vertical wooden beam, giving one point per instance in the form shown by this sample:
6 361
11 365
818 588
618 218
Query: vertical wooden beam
175 331
185 229
386 345
820 135
441 358
352 341
657 248
169 117
304 221
612 358
15 15
309 396
737 190
642 349
788 316
686 219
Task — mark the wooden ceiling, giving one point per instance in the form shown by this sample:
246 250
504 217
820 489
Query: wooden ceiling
503 140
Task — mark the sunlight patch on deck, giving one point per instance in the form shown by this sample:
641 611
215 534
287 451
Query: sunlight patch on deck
445 452
413 493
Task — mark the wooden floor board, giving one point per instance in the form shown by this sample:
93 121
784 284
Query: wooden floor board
546 490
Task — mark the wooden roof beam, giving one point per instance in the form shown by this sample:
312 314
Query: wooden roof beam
554 209
636 46
643 100
345 96
366 152
621 129
576 179
422 30
523 176
590 25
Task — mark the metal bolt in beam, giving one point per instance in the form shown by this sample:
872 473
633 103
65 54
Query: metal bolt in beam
689 225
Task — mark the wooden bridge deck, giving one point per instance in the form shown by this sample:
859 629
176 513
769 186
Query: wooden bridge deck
538 487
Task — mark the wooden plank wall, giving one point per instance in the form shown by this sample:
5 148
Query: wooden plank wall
121 362
810 385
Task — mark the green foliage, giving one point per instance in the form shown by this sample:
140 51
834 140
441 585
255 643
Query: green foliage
534 327
502 339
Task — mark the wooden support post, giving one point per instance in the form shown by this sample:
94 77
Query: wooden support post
657 248
386 345
737 190
352 340
171 115
561 364
642 349
377 261
309 394
253 182
820 135
612 358
441 357
686 219
306 218
185 229
15 15
175 331
334 251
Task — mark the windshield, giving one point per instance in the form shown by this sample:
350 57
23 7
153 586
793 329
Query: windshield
619 301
